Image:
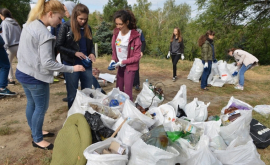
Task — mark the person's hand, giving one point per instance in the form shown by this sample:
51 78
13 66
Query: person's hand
78 68
182 56
92 57
169 55
238 64
80 55
215 60
234 73
118 64
141 54
206 65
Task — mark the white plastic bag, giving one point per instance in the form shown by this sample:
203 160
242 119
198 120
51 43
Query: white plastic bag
105 159
239 153
216 82
143 154
130 111
197 110
115 94
241 126
180 99
128 135
159 118
200 155
196 70
83 98
263 110
146 98
224 72
214 72
212 129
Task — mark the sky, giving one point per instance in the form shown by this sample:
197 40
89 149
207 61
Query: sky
98 4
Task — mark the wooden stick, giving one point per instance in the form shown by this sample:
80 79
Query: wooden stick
118 129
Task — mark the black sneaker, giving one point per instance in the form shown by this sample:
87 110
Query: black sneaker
11 82
137 87
6 92
2 96
65 99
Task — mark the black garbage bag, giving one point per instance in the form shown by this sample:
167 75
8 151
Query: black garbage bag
180 112
98 129
260 134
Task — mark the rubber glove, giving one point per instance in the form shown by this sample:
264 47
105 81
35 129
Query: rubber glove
234 73
206 65
169 55
117 64
182 56
111 65
215 60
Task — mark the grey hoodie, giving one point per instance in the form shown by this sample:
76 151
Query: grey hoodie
35 53
69 5
11 32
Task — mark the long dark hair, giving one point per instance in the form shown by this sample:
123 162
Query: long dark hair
5 13
203 38
125 16
78 10
179 36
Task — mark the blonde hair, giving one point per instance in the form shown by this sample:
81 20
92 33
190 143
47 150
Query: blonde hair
42 7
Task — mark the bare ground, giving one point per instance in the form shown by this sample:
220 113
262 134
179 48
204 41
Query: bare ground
15 138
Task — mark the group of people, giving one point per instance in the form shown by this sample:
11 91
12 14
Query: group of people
74 41
244 60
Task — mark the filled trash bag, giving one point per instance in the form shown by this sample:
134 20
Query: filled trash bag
260 134
180 99
144 154
239 152
240 127
197 110
98 129
93 157
263 110
196 70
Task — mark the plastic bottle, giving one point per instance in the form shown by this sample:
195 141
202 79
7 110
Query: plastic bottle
193 139
146 82
186 126
151 87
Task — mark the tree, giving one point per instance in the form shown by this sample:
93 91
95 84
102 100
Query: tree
75 1
19 11
103 37
112 6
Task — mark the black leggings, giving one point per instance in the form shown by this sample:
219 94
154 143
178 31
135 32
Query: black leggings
175 59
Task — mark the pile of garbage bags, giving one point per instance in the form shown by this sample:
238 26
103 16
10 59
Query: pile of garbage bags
221 73
171 133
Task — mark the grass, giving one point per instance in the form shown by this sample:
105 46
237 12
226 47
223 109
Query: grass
5 130
61 93
11 122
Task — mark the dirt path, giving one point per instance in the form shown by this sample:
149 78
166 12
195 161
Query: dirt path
15 138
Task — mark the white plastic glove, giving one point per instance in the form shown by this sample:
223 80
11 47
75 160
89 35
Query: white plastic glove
206 65
169 55
182 56
112 61
118 64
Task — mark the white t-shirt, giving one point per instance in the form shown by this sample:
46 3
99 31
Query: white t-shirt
121 44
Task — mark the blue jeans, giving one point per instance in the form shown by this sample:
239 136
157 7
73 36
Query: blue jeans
4 70
72 80
206 73
242 71
38 96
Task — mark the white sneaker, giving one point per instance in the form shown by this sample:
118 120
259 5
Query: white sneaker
173 79
239 87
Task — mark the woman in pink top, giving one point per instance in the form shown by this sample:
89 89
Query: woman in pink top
126 50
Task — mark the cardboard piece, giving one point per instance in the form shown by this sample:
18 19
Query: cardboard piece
116 148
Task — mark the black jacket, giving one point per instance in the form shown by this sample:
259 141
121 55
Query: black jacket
177 48
66 45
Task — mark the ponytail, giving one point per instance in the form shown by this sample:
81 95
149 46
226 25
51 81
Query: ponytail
42 7
203 38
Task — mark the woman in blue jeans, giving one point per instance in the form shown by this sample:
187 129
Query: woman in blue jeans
36 64
4 69
208 56
244 61
74 42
